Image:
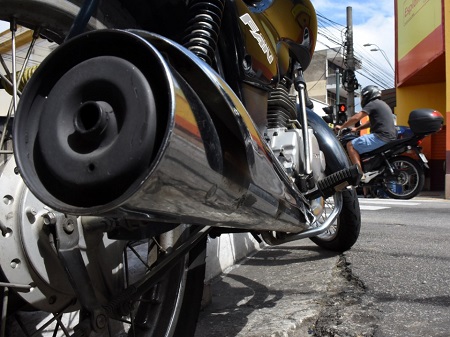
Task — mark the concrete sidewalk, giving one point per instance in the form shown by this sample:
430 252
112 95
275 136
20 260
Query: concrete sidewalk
275 292
432 195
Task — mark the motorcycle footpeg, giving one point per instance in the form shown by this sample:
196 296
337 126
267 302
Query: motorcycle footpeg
336 182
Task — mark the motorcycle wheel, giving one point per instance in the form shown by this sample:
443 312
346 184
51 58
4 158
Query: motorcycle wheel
408 178
171 307
343 234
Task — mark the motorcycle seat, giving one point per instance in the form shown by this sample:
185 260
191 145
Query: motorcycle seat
387 146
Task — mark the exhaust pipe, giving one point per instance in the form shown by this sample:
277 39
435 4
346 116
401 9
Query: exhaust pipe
127 132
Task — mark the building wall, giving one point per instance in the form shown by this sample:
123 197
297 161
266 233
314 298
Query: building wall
421 76
420 39
316 77
431 95
447 93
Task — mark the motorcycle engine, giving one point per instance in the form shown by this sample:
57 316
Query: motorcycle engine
285 137
287 145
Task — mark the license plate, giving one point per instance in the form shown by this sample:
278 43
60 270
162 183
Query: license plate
422 156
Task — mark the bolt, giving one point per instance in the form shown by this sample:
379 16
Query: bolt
49 218
68 226
101 320
15 263
30 214
52 299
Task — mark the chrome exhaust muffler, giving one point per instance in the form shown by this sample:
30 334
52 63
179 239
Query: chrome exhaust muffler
130 124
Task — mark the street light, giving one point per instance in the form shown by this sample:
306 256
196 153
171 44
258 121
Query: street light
382 53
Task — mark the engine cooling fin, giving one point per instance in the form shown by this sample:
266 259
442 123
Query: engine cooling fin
281 108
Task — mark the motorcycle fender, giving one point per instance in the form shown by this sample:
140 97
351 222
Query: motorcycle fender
336 157
422 157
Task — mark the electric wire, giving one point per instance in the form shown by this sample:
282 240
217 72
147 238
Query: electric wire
371 68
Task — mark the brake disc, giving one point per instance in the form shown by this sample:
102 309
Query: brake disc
28 255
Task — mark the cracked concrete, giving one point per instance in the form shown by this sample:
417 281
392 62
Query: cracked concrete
347 311
292 290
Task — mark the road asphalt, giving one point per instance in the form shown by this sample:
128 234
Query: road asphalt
281 291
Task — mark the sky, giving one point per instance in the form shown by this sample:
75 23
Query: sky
373 22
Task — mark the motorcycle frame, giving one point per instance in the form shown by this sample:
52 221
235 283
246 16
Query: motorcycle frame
402 147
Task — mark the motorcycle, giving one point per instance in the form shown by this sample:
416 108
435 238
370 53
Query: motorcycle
398 168
152 125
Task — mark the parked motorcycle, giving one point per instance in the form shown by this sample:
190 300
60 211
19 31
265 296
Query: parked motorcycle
152 125
398 168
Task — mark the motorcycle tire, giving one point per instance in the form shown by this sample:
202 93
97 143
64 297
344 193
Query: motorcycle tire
342 235
408 179
175 311
344 232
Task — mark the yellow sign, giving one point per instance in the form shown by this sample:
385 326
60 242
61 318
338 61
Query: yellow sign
416 20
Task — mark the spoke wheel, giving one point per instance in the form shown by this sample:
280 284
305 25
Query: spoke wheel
407 181
344 232
171 306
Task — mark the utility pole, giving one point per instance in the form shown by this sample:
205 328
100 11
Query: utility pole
338 84
350 64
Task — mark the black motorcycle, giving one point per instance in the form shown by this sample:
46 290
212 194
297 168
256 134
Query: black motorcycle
152 125
398 168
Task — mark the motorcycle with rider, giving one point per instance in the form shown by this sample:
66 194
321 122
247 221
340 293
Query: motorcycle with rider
393 165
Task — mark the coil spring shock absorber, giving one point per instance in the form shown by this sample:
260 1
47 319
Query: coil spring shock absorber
24 80
204 27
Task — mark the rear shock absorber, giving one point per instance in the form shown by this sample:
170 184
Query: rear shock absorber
27 73
205 18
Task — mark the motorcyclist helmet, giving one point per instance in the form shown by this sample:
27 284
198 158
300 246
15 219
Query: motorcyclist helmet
369 93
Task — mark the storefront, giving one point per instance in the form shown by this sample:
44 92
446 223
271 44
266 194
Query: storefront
421 76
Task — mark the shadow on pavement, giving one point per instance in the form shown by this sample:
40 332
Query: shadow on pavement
276 290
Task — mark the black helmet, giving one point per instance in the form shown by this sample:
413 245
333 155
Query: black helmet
369 93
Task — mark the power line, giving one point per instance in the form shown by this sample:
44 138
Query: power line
338 52
370 66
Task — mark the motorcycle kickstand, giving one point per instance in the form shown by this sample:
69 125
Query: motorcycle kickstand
92 316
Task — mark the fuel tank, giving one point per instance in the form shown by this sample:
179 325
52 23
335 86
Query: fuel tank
273 32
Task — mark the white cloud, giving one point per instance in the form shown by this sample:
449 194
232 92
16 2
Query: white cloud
380 31
373 22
